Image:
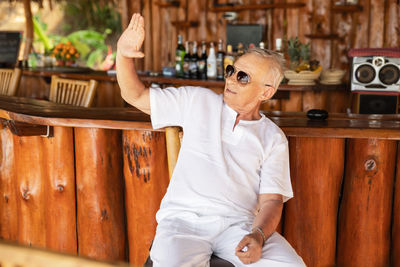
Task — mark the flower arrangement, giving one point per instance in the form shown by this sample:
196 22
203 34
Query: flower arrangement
65 53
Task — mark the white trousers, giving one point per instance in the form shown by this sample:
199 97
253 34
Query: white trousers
189 240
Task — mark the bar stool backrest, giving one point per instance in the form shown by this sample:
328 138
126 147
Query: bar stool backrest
72 92
9 81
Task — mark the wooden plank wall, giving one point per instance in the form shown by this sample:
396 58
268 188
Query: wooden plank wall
377 25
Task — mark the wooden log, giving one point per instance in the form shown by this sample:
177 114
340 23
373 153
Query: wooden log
30 174
28 28
320 48
147 44
376 27
314 100
395 252
305 20
278 26
99 194
392 24
146 181
157 46
294 103
316 166
59 184
8 192
362 28
366 205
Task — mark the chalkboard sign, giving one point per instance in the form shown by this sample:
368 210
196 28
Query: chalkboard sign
9 48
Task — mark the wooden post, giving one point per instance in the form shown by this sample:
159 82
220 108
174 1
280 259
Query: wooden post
29 28
173 146
316 166
366 206
99 191
396 217
146 181
59 184
8 194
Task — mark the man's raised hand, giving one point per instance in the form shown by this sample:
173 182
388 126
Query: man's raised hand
131 40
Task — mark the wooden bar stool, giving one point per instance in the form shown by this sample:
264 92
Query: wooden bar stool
72 92
9 81
173 145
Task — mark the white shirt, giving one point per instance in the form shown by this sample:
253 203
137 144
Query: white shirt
221 169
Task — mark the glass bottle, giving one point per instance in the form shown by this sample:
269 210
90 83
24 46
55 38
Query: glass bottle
202 62
193 69
220 61
186 61
179 55
211 63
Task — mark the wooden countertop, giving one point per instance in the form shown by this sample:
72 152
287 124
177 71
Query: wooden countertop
338 125
86 74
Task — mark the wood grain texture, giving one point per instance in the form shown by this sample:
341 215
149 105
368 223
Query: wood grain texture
30 191
295 103
395 249
8 193
146 181
392 24
99 194
362 28
366 205
376 28
59 183
316 166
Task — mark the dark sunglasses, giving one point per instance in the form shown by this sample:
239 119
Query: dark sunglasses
242 77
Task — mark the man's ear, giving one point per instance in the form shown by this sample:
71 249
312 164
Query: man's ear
269 91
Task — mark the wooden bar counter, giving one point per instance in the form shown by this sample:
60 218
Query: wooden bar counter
292 98
89 181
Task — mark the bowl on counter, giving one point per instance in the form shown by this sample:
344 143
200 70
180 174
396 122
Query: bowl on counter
332 76
304 77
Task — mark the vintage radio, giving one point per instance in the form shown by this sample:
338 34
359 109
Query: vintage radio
376 74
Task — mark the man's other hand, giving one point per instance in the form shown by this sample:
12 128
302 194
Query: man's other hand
131 40
253 242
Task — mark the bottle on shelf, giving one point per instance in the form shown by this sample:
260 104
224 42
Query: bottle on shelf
212 63
202 62
240 50
179 55
229 58
186 61
278 46
220 61
262 45
193 68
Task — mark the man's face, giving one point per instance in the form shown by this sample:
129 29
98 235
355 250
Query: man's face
244 97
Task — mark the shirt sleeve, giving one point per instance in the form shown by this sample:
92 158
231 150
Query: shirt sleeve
275 172
168 106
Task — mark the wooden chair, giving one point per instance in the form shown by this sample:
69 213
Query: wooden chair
72 92
9 81
173 141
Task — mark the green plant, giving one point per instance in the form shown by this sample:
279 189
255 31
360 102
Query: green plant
294 49
305 52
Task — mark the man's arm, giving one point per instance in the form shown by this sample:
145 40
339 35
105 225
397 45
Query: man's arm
133 90
267 219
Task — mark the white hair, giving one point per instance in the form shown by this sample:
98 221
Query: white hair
277 66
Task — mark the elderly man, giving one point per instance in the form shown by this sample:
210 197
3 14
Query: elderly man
232 175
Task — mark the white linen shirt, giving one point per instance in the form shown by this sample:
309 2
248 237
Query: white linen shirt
221 169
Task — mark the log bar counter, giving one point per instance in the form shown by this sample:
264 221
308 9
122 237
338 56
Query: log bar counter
89 181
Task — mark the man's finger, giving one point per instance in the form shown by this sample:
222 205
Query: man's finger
132 20
244 242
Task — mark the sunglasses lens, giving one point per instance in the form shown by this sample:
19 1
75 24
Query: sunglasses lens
229 71
243 77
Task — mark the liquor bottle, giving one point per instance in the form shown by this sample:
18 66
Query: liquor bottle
278 46
229 58
211 63
202 62
240 50
193 69
186 61
179 55
220 61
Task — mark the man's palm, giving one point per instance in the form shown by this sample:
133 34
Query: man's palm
131 40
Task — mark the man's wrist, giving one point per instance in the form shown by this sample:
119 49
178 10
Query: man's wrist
260 232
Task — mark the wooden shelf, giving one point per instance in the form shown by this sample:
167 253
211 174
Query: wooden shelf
323 36
347 8
255 6
168 4
185 24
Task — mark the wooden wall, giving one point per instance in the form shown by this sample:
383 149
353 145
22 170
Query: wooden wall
377 25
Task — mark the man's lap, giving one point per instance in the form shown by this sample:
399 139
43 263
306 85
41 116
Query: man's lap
191 240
